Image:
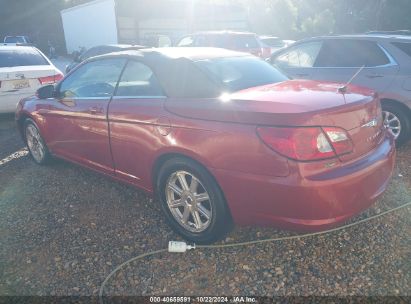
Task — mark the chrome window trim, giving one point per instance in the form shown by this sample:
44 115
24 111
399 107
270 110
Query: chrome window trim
139 97
393 62
86 98
114 97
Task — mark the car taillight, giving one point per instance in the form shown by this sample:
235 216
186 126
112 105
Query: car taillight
266 52
58 77
306 144
340 140
51 79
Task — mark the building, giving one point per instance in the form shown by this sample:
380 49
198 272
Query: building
153 23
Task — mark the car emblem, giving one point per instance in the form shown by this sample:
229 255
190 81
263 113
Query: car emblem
370 124
21 76
374 137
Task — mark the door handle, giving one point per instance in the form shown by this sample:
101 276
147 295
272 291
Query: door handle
68 102
95 110
301 75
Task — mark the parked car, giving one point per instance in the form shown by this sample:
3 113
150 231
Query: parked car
218 136
16 40
23 70
100 50
387 69
274 43
396 33
237 41
156 40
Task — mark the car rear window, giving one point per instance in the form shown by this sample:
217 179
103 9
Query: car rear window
273 42
404 46
229 41
239 73
100 50
244 41
14 39
220 41
21 57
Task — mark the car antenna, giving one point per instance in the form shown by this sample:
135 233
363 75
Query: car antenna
343 89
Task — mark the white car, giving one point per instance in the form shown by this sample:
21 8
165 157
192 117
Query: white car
23 70
16 40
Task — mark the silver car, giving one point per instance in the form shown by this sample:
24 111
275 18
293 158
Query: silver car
386 68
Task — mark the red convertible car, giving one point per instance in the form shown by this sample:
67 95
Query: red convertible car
219 137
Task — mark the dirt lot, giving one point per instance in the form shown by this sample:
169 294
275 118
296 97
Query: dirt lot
64 228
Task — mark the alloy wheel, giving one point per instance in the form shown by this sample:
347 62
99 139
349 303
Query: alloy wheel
188 201
392 123
35 143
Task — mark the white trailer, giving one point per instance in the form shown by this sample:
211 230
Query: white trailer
102 22
90 24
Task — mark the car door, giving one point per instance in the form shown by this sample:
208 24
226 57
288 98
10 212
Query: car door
138 122
77 118
297 62
340 59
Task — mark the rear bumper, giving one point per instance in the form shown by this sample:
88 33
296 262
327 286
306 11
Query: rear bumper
309 203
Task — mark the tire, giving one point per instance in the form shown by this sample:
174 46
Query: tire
398 118
206 220
35 143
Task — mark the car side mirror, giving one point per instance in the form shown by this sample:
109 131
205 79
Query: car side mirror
45 92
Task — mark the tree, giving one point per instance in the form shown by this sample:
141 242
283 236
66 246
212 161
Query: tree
275 17
41 21
321 24
305 18
292 19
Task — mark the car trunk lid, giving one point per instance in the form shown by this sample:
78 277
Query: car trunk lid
296 103
25 78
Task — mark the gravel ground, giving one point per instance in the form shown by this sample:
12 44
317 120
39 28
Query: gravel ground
63 229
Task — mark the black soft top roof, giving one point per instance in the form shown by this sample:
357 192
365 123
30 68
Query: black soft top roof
176 70
192 53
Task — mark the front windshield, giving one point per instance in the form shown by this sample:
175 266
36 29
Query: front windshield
239 73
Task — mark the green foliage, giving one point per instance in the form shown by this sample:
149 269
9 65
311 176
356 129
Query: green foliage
305 18
321 24
396 15
40 20
283 16
288 19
